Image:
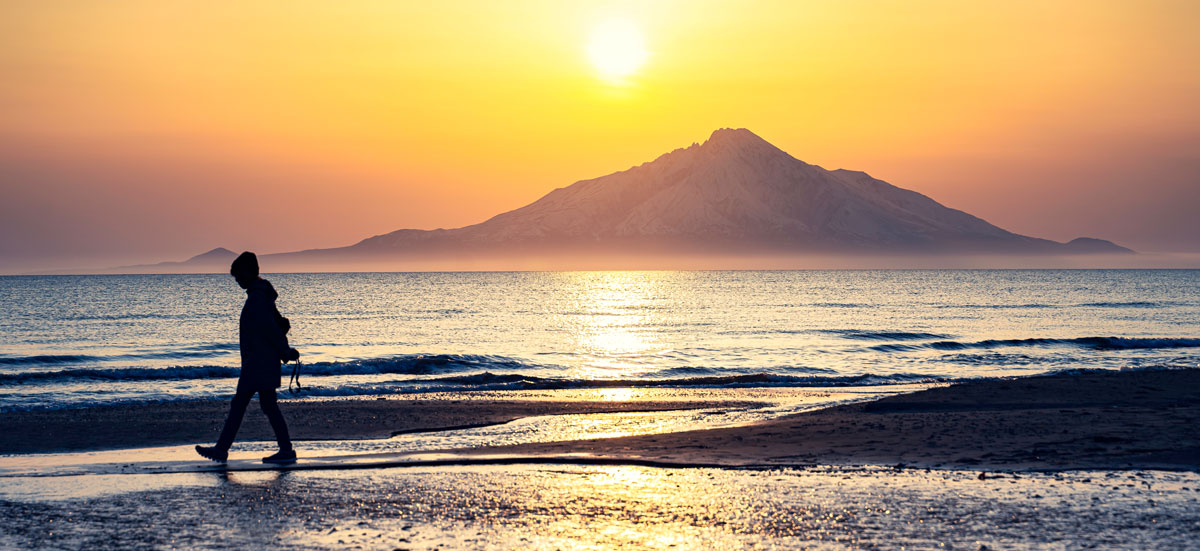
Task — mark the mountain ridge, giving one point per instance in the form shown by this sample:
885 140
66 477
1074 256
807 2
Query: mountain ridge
735 190
733 195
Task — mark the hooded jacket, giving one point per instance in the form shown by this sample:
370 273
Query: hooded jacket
263 342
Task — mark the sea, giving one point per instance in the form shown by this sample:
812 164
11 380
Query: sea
87 341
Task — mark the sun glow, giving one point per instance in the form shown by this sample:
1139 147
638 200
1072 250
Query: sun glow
616 49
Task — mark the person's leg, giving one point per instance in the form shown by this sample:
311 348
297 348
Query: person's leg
270 406
237 410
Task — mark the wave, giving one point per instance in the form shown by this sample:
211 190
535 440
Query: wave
197 351
1075 371
993 358
213 346
1091 343
683 372
516 380
489 381
125 374
154 316
853 334
49 359
1041 306
1032 306
859 334
1134 304
399 365
416 364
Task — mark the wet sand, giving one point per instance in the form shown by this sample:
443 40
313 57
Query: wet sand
172 423
538 507
1108 420
1099 420
808 492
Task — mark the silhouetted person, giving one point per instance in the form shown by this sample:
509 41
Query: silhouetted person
262 335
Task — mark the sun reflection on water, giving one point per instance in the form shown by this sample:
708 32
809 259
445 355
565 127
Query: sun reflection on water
610 319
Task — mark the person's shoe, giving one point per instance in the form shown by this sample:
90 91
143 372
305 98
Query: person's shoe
281 458
211 452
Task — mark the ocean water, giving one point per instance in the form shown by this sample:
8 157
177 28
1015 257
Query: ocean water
79 341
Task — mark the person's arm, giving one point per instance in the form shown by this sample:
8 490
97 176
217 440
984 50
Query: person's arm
264 324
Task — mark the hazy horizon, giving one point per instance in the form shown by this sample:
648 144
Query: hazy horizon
681 262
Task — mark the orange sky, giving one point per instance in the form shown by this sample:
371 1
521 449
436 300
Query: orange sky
144 131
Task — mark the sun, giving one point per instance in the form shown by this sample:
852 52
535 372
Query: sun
616 49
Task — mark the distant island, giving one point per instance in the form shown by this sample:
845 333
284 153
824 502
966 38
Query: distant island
735 196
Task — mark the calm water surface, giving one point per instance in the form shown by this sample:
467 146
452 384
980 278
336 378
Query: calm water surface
72 341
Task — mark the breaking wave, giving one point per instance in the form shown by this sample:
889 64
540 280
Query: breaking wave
497 382
400 365
49 359
1091 343
883 335
125 374
183 353
1133 304
488 381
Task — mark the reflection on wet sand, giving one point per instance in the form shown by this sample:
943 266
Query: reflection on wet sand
754 404
626 507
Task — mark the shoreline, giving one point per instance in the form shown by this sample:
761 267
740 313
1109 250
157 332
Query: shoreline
1096 420
197 422
1091 420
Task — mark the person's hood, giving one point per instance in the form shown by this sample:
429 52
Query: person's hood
263 287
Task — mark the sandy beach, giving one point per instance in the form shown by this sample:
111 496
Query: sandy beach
170 423
1094 460
1098 420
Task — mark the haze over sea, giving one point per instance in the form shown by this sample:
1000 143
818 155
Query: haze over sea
79 341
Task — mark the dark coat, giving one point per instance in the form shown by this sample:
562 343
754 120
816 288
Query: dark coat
263 342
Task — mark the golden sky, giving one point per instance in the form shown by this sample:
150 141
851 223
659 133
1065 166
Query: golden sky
133 131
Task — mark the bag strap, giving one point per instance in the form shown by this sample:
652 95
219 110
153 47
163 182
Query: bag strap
295 378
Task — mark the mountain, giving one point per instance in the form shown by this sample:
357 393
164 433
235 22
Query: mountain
733 196
735 193
1085 245
218 255
216 260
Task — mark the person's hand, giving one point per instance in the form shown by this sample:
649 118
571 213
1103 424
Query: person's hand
292 355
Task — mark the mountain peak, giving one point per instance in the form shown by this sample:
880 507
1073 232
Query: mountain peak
215 255
739 141
735 136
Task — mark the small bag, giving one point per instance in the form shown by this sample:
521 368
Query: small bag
295 378
286 326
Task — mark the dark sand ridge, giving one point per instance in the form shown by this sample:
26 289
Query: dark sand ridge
171 423
1105 420
1101 420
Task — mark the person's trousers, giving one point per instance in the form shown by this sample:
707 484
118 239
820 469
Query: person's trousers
237 410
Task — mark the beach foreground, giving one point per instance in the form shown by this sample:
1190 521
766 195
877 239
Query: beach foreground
1097 459
1094 420
170 423
616 507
